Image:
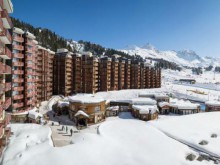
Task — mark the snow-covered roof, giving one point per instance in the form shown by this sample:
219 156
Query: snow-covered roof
213 103
30 35
114 108
181 104
63 104
162 104
80 112
18 30
86 99
145 109
34 115
62 50
143 101
157 96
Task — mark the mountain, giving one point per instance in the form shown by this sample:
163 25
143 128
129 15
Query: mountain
183 58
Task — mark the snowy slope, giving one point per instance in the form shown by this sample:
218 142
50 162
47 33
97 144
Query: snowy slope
183 58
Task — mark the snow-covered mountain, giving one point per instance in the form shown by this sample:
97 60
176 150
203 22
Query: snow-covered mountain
184 58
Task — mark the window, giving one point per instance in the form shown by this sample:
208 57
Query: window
97 109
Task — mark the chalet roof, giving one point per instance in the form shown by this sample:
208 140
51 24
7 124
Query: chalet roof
146 109
181 104
162 104
80 112
86 99
213 103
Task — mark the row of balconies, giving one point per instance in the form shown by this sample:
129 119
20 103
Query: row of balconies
18 105
7 87
18 64
20 88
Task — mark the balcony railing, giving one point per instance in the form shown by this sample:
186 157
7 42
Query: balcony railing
18 80
5 36
18 64
7 69
18 47
7 102
29 50
5 53
1 130
19 72
7 87
2 89
18 55
2 68
18 38
6 19
18 97
18 105
18 88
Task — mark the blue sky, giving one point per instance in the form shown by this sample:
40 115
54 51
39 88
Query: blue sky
167 24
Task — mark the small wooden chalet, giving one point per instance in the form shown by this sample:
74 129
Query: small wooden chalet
212 106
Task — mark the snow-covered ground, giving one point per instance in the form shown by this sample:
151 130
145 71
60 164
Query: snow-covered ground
119 140
193 129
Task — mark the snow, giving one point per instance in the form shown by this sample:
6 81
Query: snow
86 99
181 104
192 129
121 140
114 108
145 109
143 101
81 113
63 104
213 103
162 104
34 114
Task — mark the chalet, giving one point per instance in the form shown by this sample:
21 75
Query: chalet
86 109
112 111
212 106
164 108
158 97
183 107
145 112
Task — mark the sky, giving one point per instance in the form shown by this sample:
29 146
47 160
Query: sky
166 24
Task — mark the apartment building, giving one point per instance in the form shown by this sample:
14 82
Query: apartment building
77 73
63 73
127 74
105 74
114 72
6 7
135 74
90 74
121 74
44 74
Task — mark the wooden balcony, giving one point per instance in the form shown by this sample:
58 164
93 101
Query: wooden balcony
30 80
2 89
7 69
18 47
5 36
30 43
7 87
18 39
18 105
20 88
18 97
5 53
18 64
7 102
18 80
18 72
29 50
2 68
6 19
18 55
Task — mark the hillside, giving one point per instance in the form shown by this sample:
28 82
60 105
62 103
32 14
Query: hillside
183 58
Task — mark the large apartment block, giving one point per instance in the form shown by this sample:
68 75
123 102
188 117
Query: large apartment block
105 74
63 73
90 74
24 66
77 73
44 74
6 7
